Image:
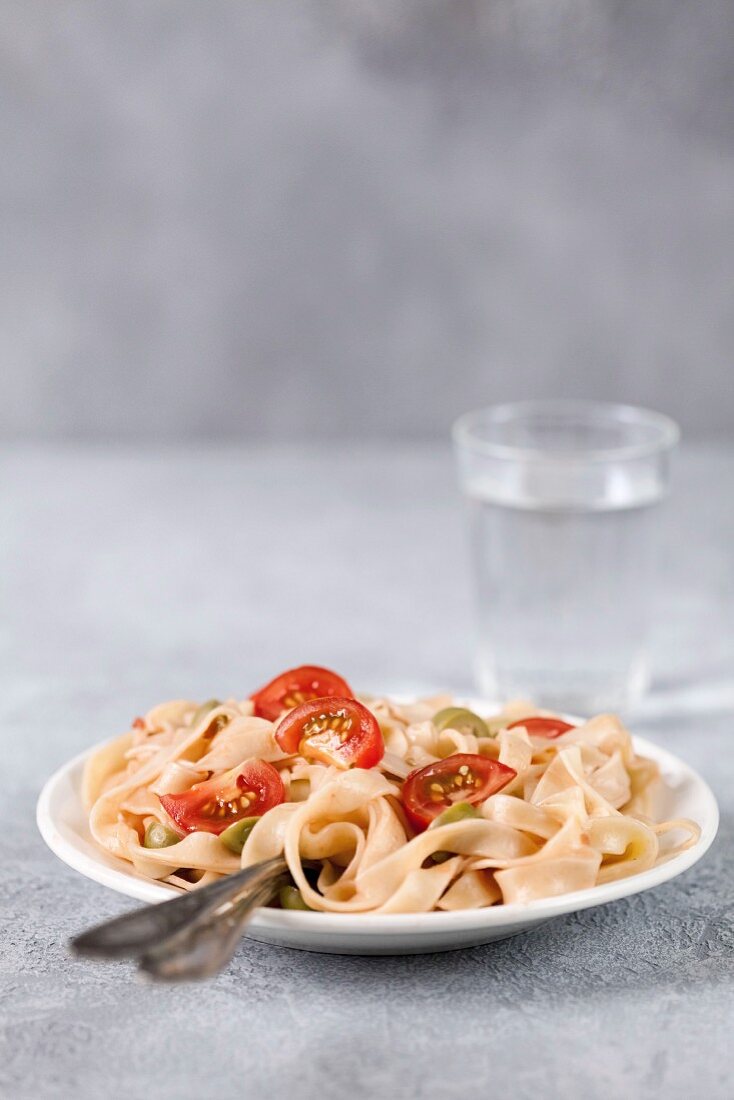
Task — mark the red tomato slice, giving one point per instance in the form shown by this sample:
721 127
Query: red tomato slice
249 790
463 777
543 727
336 729
297 686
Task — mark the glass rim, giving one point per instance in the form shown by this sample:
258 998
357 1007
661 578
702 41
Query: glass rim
464 427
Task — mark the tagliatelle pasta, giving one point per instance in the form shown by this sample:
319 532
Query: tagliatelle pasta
460 811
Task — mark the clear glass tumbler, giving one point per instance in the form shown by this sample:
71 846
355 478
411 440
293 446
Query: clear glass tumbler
563 499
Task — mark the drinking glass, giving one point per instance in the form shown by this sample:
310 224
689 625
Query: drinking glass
563 500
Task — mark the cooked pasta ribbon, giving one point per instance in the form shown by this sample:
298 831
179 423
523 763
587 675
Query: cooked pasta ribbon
578 812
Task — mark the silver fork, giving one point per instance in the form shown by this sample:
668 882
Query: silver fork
189 937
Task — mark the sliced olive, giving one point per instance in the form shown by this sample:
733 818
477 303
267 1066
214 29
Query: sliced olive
215 726
461 720
290 897
203 710
158 835
460 811
235 835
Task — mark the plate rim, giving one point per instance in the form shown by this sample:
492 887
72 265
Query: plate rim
130 884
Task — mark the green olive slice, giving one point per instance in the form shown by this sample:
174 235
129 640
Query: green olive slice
461 720
158 835
290 897
460 811
235 835
203 710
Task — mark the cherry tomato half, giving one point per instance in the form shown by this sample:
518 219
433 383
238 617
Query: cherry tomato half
297 686
463 777
249 790
336 729
543 727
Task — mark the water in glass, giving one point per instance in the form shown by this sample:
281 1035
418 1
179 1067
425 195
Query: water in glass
563 500
563 601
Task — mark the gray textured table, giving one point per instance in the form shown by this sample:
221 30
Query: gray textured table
131 577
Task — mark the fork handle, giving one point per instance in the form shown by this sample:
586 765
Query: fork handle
137 933
204 949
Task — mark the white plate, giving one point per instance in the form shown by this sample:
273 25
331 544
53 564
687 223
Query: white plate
63 824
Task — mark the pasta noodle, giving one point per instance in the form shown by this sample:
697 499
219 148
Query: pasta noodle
575 808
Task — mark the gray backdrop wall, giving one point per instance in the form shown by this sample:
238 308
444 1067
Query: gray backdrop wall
280 219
